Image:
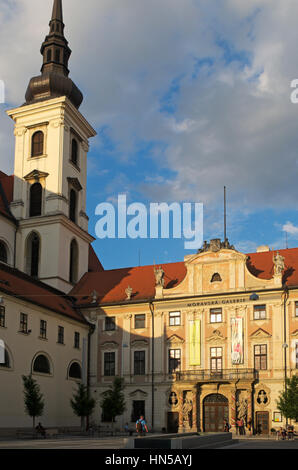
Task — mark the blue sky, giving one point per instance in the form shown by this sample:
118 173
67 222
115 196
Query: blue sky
186 97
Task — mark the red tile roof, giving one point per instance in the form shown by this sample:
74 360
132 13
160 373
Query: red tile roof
94 265
6 194
18 284
111 285
261 265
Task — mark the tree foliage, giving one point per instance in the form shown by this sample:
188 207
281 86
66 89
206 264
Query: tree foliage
33 398
113 401
81 403
288 399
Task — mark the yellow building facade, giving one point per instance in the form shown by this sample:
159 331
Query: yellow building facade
216 346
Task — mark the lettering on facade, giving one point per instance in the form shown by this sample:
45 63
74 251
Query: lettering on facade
216 302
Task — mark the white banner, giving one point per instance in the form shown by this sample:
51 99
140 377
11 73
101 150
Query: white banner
237 340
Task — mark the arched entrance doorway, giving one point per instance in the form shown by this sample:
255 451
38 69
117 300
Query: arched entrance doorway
216 411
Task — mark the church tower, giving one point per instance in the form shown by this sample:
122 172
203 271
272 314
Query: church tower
50 173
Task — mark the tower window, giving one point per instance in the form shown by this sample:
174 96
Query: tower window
74 151
35 200
3 253
37 144
57 55
33 247
49 55
73 205
73 265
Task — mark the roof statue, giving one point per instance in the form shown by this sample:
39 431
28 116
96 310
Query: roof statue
279 264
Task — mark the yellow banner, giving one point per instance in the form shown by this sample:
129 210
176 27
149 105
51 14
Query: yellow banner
195 342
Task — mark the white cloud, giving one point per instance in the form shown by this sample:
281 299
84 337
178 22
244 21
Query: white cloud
290 228
233 122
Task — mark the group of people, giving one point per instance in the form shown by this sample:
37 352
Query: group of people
284 433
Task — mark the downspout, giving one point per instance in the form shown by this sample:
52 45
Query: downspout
90 333
285 345
151 305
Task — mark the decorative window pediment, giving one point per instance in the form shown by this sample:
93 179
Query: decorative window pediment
138 394
174 339
216 337
139 343
295 333
110 345
75 183
260 333
36 175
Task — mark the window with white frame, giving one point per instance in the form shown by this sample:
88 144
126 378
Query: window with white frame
215 315
175 318
216 359
259 312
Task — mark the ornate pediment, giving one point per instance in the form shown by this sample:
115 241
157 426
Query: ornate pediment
139 343
36 175
138 394
216 337
175 339
260 333
109 345
75 183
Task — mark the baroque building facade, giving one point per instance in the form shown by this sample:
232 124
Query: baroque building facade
198 342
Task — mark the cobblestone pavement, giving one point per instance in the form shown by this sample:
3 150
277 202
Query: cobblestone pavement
263 444
66 443
118 443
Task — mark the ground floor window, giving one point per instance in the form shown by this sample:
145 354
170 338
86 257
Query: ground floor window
138 409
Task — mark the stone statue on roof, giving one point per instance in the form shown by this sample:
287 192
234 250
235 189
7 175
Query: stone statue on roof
159 276
279 264
128 292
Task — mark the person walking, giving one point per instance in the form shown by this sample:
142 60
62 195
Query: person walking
141 426
227 426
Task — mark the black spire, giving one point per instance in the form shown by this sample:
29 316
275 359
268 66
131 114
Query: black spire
54 81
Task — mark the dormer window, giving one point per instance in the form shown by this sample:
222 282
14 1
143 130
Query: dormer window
37 144
216 278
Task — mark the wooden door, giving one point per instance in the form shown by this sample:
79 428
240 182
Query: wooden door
262 422
173 422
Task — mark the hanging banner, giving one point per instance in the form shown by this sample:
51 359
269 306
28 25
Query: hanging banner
195 342
237 340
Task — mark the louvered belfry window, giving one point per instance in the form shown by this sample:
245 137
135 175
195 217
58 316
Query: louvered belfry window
37 144
35 200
